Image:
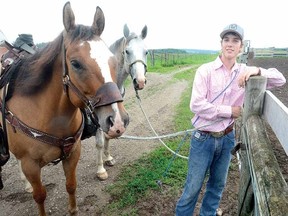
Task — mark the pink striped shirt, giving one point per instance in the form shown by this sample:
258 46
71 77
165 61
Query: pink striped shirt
210 102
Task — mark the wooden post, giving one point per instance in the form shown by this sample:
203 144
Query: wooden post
270 192
254 97
152 54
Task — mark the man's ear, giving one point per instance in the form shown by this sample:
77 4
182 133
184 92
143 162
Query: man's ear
241 47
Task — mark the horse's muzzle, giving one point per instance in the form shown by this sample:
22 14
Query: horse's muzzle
139 85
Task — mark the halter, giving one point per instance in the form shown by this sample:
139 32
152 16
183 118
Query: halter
125 42
107 94
138 60
134 62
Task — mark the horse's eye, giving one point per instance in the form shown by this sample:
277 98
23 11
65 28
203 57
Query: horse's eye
127 52
76 65
146 53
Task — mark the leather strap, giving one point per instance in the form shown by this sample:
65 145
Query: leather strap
65 144
220 133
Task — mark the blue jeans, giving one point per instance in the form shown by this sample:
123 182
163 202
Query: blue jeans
207 155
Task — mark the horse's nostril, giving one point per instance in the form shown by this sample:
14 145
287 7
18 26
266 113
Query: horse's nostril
136 85
110 121
126 122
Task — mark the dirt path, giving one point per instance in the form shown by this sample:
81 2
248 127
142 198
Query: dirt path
158 100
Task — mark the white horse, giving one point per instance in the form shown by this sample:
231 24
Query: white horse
131 54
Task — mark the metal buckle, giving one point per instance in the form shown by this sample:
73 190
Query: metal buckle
218 134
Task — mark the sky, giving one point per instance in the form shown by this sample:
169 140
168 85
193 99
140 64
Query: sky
180 24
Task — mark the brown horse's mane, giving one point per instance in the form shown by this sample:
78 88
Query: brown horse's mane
33 73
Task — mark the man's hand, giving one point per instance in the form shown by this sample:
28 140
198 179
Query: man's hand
244 77
236 111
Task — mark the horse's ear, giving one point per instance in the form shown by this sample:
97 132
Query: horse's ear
68 17
99 22
144 32
126 31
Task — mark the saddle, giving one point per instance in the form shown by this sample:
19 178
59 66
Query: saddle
9 59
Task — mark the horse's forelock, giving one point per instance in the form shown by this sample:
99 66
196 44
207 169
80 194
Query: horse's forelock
131 37
81 32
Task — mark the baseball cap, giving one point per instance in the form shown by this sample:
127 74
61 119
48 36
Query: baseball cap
233 28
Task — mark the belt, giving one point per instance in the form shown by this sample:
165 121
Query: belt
220 133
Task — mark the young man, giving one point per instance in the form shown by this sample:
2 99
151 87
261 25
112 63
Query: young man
217 98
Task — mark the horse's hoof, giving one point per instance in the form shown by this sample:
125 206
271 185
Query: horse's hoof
110 162
73 212
102 176
29 189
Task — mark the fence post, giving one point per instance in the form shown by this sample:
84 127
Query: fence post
152 54
254 97
253 105
263 190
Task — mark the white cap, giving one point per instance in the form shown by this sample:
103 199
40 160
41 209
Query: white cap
233 28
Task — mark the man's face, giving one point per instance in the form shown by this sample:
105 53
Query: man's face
231 45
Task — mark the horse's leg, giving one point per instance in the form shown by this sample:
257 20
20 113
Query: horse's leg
101 171
109 160
69 167
32 171
28 186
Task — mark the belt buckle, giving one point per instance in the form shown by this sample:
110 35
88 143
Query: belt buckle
218 134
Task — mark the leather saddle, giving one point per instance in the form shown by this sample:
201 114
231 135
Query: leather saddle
10 56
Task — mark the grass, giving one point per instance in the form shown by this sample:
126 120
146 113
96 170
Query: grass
137 180
174 62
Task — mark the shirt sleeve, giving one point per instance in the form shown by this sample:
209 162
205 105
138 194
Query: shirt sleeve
274 77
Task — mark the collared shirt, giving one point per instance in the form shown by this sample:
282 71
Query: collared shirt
215 90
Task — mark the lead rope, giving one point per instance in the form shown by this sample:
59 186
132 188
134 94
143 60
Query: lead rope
175 153
157 136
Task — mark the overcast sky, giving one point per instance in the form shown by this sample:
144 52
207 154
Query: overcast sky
171 24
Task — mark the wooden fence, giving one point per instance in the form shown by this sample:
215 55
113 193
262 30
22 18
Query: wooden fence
167 59
263 190
271 52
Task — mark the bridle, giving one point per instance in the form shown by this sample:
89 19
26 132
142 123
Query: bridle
107 94
138 60
132 63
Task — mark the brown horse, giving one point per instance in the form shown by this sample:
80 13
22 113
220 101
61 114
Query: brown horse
46 94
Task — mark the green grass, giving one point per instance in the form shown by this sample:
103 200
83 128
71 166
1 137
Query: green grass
173 61
137 180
